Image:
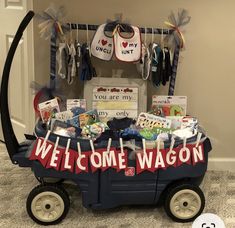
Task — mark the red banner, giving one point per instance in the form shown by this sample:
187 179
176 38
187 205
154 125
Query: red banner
52 156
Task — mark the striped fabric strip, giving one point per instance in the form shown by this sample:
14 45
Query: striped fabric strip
174 71
53 59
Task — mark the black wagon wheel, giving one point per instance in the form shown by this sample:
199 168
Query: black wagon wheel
48 204
184 202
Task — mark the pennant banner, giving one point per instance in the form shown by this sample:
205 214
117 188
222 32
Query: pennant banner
52 156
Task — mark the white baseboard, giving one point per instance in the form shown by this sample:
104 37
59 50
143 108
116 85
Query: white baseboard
224 164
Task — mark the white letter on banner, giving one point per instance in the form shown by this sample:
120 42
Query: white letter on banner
187 153
66 162
80 157
92 159
54 157
109 158
44 149
197 154
121 160
171 159
159 160
145 159
55 152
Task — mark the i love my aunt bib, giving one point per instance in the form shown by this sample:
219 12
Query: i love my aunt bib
128 49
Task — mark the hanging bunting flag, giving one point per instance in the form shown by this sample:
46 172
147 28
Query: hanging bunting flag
53 156
81 162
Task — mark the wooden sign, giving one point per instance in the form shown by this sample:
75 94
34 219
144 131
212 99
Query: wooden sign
116 102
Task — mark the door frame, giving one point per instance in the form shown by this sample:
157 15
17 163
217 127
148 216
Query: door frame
29 35
29 74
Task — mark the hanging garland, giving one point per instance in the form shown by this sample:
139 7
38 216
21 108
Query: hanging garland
52 22
176 38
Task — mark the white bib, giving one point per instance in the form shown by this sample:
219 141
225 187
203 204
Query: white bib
128 49
102 45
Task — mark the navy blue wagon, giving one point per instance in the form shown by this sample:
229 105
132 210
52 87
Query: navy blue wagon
177 188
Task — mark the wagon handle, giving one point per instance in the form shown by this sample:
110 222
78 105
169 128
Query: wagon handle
8 132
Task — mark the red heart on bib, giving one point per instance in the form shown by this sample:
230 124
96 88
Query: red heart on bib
124 44
104 42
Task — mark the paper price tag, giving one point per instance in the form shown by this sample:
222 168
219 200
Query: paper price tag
154 68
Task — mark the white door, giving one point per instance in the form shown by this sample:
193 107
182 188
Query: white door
19 97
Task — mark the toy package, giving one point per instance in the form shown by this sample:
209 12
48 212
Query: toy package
48 109
146 120
94 130
71 103
65 129
74 121
63 116
181 122
88 118
169 105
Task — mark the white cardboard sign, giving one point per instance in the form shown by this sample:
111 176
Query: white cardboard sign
116 102
103 82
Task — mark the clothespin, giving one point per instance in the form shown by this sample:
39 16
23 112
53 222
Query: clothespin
68 144
172 143
199 135
109 145
144 146
47 136
92 146
79 149
158 145
133 142
121 145
57 142
184 142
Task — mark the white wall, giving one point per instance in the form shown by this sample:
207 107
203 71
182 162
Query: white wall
206 69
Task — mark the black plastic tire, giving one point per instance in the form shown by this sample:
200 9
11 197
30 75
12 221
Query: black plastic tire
48 200
183 198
